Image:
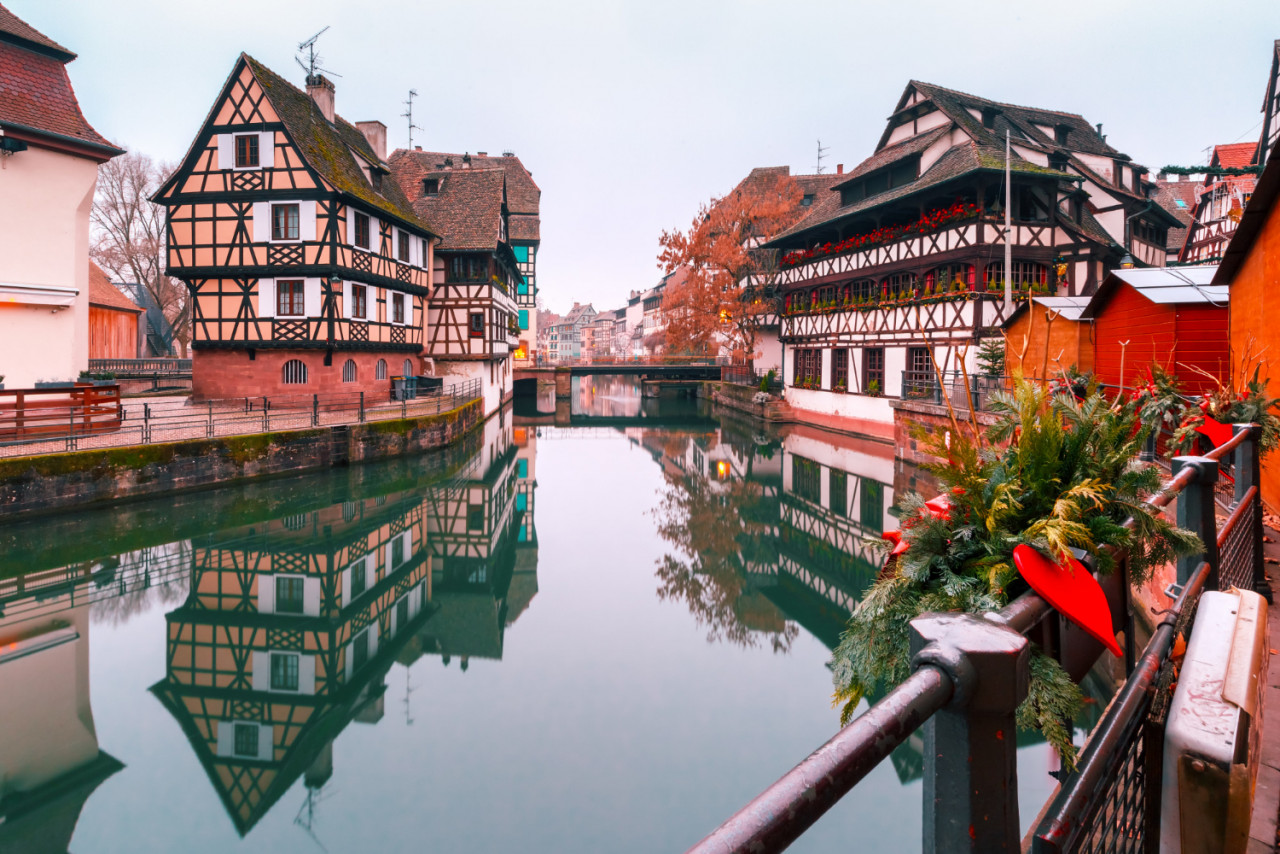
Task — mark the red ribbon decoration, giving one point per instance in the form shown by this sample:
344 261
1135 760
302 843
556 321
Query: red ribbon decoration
1072 590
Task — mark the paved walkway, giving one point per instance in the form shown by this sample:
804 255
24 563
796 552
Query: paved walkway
1266 805
174 419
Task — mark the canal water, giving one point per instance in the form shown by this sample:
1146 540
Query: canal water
603 628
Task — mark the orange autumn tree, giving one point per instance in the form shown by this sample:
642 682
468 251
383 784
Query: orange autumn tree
727 278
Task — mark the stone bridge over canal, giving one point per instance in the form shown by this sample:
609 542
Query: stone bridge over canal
693 370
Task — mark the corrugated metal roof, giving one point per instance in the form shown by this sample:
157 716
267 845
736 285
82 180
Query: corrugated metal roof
1175 285
1069 308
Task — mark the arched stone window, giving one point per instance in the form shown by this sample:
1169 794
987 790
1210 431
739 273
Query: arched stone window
408 368
295 372
380 370
349 371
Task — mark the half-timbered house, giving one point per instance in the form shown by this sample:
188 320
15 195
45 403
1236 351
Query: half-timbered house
524 202
1220 201
900 264
308 268
473 320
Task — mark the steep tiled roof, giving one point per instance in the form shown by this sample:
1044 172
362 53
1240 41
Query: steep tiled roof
35 91
103 293
1234 156
1168 196
960 160
328 148
525 227
1081 136
467 210
17 31
523 195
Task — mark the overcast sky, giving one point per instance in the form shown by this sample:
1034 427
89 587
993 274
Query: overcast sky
629 114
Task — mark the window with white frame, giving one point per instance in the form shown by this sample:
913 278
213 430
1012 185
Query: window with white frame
285 222
380 370
397 308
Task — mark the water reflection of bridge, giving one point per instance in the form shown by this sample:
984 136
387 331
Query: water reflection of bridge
283 628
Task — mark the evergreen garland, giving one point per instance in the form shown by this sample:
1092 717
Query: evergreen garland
1216 170
1068 478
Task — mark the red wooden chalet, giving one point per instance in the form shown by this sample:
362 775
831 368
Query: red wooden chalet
1170 315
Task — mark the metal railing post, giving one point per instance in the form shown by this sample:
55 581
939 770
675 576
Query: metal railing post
1247 462
970 749
146 423
1196 513
209 429
315 410
1148 452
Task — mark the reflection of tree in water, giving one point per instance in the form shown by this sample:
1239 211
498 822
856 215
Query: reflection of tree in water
712 525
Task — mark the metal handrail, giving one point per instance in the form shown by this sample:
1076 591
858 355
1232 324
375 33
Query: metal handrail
781 813
1068 816
785 810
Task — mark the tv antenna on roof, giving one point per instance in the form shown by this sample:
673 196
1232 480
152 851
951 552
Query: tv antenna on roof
822 153
408 114
312 65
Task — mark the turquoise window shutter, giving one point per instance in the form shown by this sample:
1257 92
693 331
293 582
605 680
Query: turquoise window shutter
524 318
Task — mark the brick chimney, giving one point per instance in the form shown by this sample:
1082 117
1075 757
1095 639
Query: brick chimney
320 88
376 134
839 168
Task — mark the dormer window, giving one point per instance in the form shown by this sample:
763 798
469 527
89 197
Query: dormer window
246 151
430 186
375 178
807 200
1058 162
989 117
1060 134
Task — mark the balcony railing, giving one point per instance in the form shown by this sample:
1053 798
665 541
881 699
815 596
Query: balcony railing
966 233
963 690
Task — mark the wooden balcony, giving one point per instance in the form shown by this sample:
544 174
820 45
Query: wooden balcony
960 314
918 249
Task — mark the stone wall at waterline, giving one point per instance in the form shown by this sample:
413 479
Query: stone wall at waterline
55 482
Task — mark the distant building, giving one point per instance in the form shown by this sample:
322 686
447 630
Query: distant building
113 319
472 315
49 156
417 170
1219 204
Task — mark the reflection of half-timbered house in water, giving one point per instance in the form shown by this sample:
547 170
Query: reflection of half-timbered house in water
424 174
292 625
904 255
307 266
472 323
484 550
286 637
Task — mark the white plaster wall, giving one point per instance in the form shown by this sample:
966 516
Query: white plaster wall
45 197
768 352
895 362
844 405
493 389
44 703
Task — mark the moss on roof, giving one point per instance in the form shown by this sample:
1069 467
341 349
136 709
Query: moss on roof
328 148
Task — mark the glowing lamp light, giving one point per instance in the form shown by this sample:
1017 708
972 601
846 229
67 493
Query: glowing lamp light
1126 263
722 468
724 315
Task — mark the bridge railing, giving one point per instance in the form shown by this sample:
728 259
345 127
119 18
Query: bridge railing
970 674
140 368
